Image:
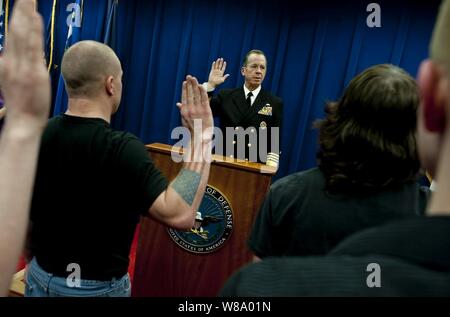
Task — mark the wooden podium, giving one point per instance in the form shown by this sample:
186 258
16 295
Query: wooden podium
164 268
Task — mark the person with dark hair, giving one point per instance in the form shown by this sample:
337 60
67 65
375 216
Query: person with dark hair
405 258
373 122
250 117
367 164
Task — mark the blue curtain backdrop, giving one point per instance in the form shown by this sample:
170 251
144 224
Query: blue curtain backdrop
94 23
313 50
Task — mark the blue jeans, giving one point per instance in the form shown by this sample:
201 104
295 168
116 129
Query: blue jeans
39 283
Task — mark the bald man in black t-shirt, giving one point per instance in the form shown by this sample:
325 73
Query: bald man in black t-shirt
93 183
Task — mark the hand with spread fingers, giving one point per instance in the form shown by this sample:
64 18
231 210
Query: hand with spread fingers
216 75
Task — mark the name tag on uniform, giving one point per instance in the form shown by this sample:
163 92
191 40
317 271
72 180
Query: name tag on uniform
266 111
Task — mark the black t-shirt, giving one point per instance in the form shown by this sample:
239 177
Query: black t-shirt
422 240
92 185
299 217
412 255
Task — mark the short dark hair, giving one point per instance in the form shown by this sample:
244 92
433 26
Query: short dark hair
367 140
259 52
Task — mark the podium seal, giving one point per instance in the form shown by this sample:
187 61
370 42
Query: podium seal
213 225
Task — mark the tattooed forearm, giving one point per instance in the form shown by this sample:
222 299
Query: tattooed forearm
186 185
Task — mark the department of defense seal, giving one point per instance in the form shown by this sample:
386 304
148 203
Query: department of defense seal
213 225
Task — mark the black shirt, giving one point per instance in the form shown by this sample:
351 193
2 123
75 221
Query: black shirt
299 217
92 185
413 258
423 240
254 124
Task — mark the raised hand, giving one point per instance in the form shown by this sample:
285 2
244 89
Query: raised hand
25 85
216 75
195 106
24 79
